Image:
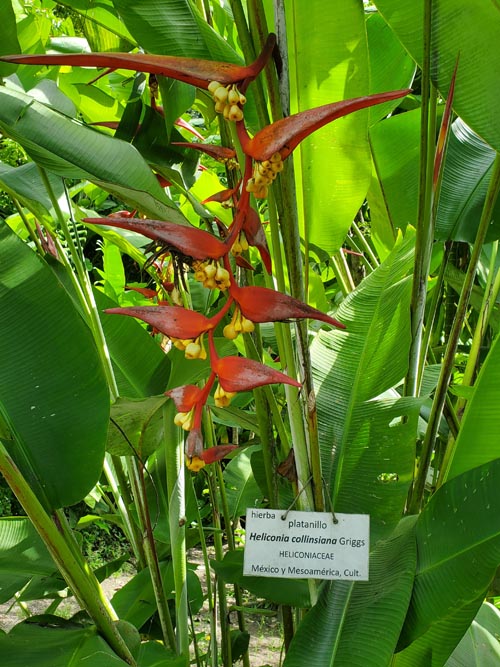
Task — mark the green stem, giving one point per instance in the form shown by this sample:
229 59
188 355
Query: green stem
425 226
208 579
174 456
77 574
27 225
449 357
136 475
230 543
120 489
86 289
219 555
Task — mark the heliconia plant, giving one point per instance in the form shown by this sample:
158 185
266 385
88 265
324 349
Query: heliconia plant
262 201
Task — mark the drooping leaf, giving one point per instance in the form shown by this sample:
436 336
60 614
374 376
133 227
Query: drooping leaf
53 394
72 150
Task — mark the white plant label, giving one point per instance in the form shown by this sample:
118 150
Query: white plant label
306 545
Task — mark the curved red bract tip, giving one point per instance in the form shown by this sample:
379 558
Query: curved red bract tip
173 321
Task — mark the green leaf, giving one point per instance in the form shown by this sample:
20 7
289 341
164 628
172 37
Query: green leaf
53 393
369 434
458 542
466 176
358 623
141 367
391 68
395 145
25 184
141 421
293 592
9 42
242 490
459 27
135 602
479 645
175 28
72 150
476 443
329 62
23 555
101 12
55 643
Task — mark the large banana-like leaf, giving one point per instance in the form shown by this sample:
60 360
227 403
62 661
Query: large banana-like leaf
466 176
329 62
72 150
458 542
477 440
367 441
459 27
53 395
357 624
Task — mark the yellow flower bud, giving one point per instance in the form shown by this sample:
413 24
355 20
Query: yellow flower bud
213 86
229 331
221 94
233 96
194 463
235 113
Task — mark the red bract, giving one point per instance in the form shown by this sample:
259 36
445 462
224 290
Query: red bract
256 237
217 453
241 374
260 304
285 135
185 397
173 321
190 70
220 153
190 241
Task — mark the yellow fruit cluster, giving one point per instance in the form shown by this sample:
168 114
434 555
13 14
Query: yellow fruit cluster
192 348
239 324
211 275
223 398
240 245
227 100
264 174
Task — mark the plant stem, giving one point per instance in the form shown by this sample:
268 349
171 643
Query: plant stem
448 360
77 574
174 457
425 222
136 475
